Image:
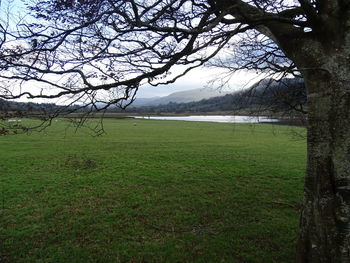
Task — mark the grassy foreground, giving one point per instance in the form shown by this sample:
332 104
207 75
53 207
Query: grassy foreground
151 191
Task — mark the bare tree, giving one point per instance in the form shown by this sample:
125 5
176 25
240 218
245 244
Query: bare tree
90 51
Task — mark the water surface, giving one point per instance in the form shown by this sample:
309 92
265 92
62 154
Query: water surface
212 118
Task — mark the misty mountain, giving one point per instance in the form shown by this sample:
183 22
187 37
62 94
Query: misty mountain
180 97
275 96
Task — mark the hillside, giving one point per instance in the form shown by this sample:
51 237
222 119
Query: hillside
268 94
26 106
180 97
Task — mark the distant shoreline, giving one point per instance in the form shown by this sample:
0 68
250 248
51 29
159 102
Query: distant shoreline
281 120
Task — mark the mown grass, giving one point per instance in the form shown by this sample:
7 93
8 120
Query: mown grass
151 191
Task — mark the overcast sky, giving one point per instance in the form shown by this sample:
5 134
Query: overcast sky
199 78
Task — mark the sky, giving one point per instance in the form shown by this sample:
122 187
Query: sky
200 78
195 79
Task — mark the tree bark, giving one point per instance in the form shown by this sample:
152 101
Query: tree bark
325 217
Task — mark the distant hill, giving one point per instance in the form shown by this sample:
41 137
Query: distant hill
24 108
6 105
285 95
180 97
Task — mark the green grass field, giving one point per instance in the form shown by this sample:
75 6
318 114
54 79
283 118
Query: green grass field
151 191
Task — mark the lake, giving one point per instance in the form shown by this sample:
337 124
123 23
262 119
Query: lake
212 118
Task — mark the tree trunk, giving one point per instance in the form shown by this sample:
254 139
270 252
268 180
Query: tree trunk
325 218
